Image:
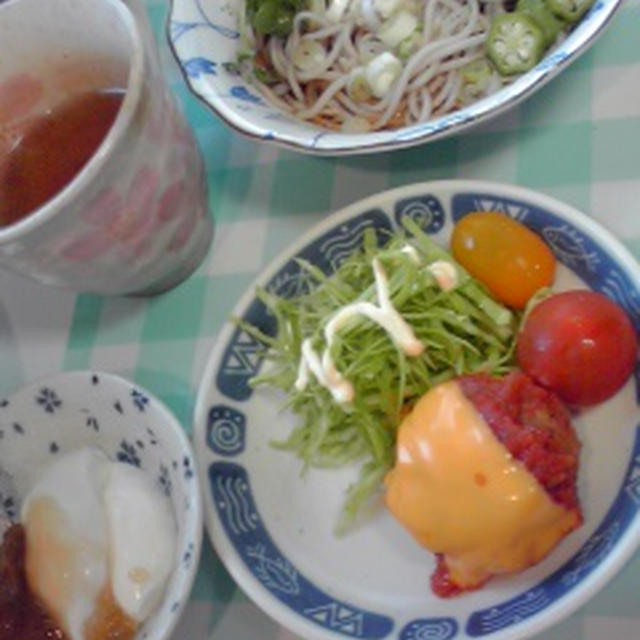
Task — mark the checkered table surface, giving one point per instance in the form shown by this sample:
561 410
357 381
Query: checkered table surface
578 140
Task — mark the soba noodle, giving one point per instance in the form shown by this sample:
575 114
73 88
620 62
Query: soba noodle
338 68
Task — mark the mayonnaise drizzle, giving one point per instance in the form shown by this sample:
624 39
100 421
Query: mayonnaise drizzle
412 253
383 314
445 274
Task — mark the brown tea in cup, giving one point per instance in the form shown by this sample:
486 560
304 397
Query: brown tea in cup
133 217
41 159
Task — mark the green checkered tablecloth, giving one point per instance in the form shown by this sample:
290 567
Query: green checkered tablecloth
578 140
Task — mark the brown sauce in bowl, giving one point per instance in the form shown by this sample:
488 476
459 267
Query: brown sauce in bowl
22 617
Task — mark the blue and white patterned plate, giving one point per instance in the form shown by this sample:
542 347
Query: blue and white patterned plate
274 529
204 38
53 416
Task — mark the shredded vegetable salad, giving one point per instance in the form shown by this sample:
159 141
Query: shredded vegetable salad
460 328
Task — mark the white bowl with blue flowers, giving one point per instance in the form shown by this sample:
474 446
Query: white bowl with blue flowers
274 528
65 412
204 37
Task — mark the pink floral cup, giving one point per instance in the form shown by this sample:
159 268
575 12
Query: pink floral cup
135 219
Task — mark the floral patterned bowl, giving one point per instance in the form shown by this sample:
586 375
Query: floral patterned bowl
204 38
56 415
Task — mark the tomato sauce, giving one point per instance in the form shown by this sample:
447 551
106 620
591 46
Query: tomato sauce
21 615
535 427
47 155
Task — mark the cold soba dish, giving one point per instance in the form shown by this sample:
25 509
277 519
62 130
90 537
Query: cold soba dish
367 65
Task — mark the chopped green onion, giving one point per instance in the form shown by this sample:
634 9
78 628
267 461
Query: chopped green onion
477 72
266 76
409 45
308 55
382 72
476 79
397 28
358 88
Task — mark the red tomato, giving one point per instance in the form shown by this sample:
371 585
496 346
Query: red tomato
579 344
507 257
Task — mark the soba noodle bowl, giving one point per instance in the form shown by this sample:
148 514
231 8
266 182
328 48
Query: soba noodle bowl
367 65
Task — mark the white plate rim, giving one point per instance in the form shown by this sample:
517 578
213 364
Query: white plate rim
262 597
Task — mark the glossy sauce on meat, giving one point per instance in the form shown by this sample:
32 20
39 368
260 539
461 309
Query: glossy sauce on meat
485 478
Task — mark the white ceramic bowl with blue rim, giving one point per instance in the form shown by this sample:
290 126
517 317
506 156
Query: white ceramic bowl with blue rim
204 38
273 528
59 414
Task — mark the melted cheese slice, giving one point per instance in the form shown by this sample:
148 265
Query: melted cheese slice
460 493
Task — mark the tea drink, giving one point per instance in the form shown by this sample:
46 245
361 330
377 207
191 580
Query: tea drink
50 151
102 186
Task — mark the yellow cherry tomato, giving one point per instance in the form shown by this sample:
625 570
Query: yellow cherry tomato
507 257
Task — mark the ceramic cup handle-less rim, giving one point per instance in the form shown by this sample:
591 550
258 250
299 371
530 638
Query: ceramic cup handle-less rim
135 219
113 138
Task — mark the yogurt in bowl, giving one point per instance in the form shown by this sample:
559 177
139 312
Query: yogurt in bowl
98 483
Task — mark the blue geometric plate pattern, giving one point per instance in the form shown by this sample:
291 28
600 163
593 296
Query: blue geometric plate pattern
617 521
224 421
233 497
576 250
244 355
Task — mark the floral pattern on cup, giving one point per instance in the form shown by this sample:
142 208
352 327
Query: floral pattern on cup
118 222
108 232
